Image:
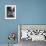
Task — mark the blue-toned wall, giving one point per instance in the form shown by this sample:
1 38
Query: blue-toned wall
27 12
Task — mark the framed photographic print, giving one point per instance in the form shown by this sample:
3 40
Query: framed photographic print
10 11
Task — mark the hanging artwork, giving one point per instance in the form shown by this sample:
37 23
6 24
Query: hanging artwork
10 11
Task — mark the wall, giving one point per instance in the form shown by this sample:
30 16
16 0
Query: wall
27 12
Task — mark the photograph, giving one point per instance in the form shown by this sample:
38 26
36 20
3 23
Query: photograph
10 11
